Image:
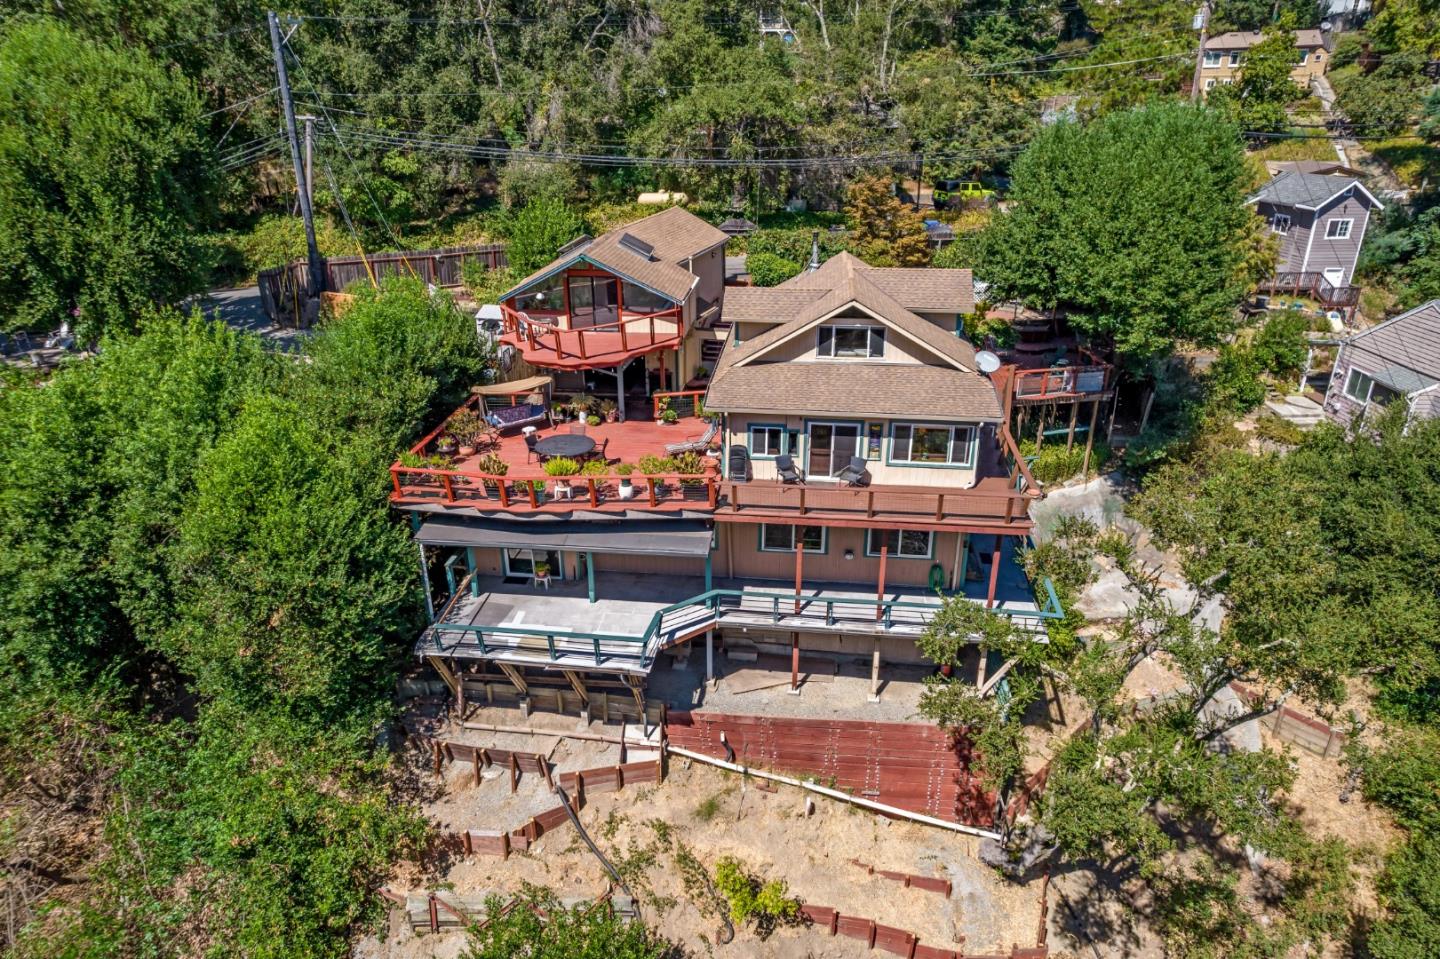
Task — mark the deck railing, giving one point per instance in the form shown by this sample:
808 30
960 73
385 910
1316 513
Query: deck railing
1061 381
690 617
1313 286
635 333
683 402
467 488
894 503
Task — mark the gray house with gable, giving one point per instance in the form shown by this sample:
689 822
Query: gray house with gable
1397 359
1321 221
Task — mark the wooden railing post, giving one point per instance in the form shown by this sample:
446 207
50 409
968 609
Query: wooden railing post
711 490
395 477
594 499
650 488
447 481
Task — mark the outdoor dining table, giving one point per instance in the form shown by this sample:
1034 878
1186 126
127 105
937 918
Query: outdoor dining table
565 444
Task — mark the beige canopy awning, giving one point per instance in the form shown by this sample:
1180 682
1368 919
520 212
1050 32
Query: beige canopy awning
530 384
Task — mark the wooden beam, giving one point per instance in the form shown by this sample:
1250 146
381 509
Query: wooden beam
875 672
448 677
989 684
577 685
1070 433
514 676
794 662
799 566
994 572
1090 438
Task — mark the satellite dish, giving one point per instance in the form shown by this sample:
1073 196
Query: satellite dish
987 361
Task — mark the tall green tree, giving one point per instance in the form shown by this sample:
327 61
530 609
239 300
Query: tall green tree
106 181
1134 225
1257 100
538 230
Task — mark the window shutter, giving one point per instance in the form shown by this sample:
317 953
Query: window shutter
826 344
877 341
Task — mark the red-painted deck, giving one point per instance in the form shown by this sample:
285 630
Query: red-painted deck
622 443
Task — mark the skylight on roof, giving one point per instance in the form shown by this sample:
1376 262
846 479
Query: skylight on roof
636 245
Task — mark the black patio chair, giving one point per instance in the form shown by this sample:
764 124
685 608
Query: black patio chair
789 472
530 441
854 473
739 463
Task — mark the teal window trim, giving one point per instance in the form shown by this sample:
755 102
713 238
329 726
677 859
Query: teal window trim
788 433
802 444
969 463
824 539
870 551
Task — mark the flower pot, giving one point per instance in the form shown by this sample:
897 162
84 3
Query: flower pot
627 490
467 449
947 670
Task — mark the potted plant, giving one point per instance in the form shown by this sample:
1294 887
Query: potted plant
446 445
542 572
669 417
662 406
562 467
492 465
592 420
690 464
581 404
539 487
559 413
627 491
652 465
610 411
467 426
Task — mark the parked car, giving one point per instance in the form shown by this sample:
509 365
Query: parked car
955 192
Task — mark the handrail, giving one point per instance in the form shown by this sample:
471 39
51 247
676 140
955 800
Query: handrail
523 328
1068 376
650 488
710 600
670 394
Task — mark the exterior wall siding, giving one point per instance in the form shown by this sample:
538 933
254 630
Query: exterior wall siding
1326 254
893 649
882 472
1292 243
831 566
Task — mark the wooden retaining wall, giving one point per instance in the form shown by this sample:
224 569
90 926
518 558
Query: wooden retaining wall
914 766
896 941
1293 726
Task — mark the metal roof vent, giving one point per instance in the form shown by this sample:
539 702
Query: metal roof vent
636 245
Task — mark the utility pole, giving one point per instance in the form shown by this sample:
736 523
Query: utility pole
919 179
316 273
1201 23
309 122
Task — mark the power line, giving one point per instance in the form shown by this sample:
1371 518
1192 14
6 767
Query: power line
240 103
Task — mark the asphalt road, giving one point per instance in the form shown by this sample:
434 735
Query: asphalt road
240 308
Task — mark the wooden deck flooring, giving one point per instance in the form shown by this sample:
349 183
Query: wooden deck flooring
622 443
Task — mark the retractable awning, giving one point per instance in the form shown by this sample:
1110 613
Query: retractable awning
689 538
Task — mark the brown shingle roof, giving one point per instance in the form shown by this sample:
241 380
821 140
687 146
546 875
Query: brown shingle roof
915 288
1410 340
751 304
854 389
674 234
743 380
848 281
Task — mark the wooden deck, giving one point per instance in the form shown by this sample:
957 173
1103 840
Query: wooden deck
621 442
597 347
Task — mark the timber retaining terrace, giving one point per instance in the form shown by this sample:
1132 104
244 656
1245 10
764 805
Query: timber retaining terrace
911 766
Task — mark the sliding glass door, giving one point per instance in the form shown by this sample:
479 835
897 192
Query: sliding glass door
830 447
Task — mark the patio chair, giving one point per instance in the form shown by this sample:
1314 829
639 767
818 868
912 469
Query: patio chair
698 445
577 429
601 452
789 472
739 463
854 473
530 441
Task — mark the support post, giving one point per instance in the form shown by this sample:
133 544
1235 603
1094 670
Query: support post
620 387
880 585
1090 437
994 572
799 568
425 582
709 576
981 669
794 662
1070 433
962 559
590 575
710 658
875 672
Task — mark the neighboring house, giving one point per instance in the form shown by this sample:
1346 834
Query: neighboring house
1322 167
1397 359
906 481
1321 222
1225 57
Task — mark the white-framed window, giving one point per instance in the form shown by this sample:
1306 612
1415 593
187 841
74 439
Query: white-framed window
1235 59
1338 229
770 441
1358 386
780 538
1212 58
925 445
1227 81
1280 223
1319 56
1210 84
850 341
901 543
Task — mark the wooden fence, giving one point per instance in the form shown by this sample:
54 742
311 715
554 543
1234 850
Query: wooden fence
1293 726
899 942
282 288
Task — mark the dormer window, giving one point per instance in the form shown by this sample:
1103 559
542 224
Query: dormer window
851 341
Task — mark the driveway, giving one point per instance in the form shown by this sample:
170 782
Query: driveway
240 308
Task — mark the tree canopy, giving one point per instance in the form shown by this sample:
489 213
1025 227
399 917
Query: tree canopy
106 179
1133 225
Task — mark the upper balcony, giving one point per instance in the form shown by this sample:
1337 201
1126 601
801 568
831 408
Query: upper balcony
563 341
655 467
1050 384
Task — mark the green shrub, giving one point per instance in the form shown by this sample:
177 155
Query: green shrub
493 465
561 466
1276 430
652 465
1233 383
766 904
1280 347
767 269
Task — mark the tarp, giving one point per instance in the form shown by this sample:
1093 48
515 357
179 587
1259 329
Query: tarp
515 387
651 537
